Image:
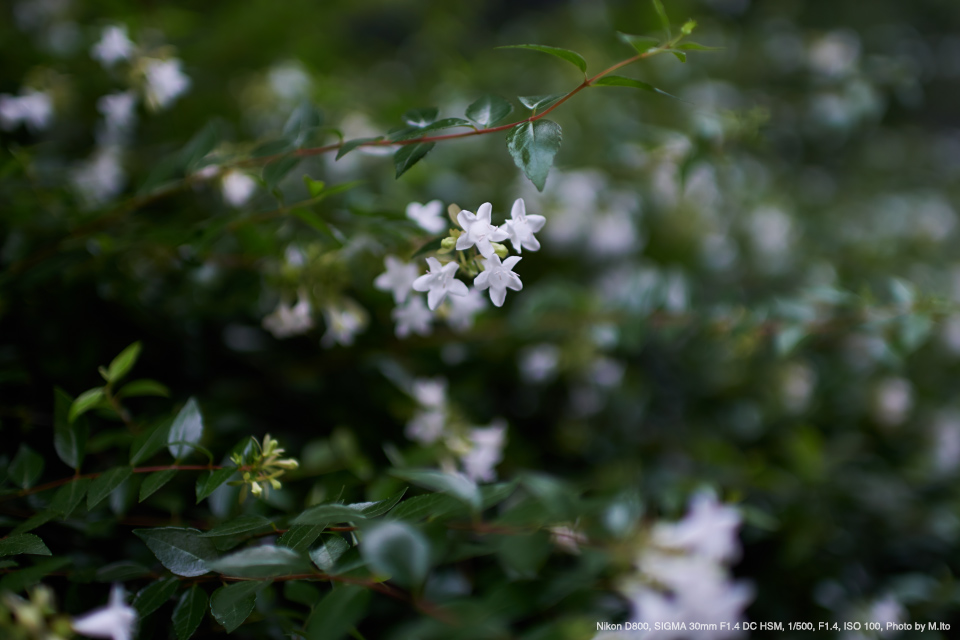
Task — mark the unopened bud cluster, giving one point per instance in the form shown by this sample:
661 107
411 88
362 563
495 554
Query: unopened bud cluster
262 468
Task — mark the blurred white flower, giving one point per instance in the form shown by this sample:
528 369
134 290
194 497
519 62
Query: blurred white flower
796 387
115 621
237 187
440 281
289 80
101 177
165 82
461 310
612 234
426 427
113 46
429 216
538 363
835 54
413 317
498 277
709 530
606 372
287 321
479 231
893 400
430 392
887 610
119 116
33 108
486 451
567 538
946 442
521 227
398 278
343 322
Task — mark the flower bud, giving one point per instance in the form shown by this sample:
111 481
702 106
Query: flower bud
452 211
499 249
448 243
289 464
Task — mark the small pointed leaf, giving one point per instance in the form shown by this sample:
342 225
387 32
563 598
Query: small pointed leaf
154 595
122 364
23 543
84 402
209 481
180 550
261 562
232 604
409 155
187 427
421 117
488 110
189 612
572 57
533 146
69 439
104 485
155 481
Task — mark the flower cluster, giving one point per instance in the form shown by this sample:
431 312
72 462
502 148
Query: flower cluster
261 466
491 269
38 618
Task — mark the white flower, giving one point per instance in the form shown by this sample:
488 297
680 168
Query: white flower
119 114
287 321
498 277
237 187
165 82
426 426
114 621
430 392
439 282
538 363
114 45
485 453
462 309
429 216
478 230
101 177
709 529
412 317
343 323
33 108
398 278
521 227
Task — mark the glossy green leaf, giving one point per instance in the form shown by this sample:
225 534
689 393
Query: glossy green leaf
200 145
23 578
208 482
621 81
433 505
104 485
533 146
69 439
123 363
23 543
315 187
182 551
302 592
398 550
681 56
143 387
380 507
241 524
34 521
153 482
693 46
277 170
458 486
409 155
326 555
147 443
572 57
189 612
26 467
641 44
323 514
67 497
523 555
350 145
232 604
415 132
121 571
300 536
84 402
186 427
154 595
662 14
421 117
302 123
488 110
261 562
539 103
341 609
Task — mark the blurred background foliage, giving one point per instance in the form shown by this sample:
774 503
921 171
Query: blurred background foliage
752 288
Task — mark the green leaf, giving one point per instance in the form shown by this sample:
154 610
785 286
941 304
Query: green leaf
380 507
189 612
324 514
232 604
23 543
494 494
572 57
299 537
154 481
458 486
681 56
350 145
414 132
19 580
641 44
104 485
122 364
538 103
200 145
688 27
421 117
398 550
489 109
121 571
242 524
533 146
261 562
693 46
301 592
326 555
273 148
182 551
621 81
208 482
315 187
187 427
147 443
84 402
69 440
34 521
66 499
154 595
523 555
433 505
428 247
277 170
662 14
304 120
338 612
409 155
143 387
788 338
26 467
316 222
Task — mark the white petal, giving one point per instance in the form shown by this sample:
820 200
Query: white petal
486 249
511 262
519 209
466 218
434 265
513 282
423 282
498 295
484 212
464 242
435 297
482 281
536 222
457 288
498 235
449 269
532 243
